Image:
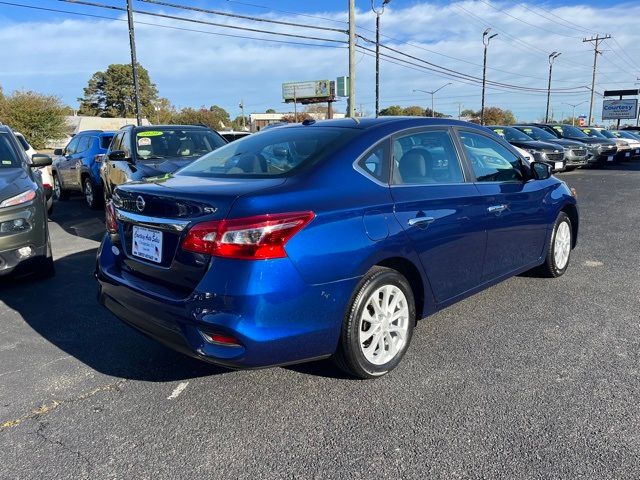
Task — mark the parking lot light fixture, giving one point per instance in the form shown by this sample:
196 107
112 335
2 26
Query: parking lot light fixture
573 106
378 12
433 112
552 57
486 38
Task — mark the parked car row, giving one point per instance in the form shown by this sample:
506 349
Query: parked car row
320 239
566 147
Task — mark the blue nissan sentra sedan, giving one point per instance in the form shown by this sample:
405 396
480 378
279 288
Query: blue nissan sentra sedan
328 239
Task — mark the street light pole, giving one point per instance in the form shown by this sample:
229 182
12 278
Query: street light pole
378 14
433 112
486 38
552 57
242 113
573 106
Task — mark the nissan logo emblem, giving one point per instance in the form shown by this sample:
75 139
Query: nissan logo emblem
140 203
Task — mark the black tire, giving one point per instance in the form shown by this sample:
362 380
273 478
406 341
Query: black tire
58 192
349 356
92 195
569 169
550 268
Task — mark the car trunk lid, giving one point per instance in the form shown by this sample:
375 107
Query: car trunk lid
154 216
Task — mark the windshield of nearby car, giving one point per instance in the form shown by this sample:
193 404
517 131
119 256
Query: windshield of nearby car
623 134
271 153
105 141
607 134
23 142
8 156
178 143
537 133
511 134
569 131
593 133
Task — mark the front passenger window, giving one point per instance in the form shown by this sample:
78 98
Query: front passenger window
491 161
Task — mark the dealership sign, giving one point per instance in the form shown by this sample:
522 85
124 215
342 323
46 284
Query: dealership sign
301 90
619 109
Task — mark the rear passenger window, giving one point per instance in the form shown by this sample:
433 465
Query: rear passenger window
427 157
491 161
375 162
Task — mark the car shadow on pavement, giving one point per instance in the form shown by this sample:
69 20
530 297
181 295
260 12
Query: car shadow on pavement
75 218
64 311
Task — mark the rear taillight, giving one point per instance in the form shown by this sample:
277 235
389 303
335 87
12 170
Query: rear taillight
110 217
250 238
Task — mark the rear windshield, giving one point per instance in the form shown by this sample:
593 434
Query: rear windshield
537 133
511 134
105 141
175 143
8 156
272 153
593 133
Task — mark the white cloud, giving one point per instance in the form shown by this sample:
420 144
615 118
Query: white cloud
194 69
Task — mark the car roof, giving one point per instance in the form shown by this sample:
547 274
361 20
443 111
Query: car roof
167 127
370 123
96 132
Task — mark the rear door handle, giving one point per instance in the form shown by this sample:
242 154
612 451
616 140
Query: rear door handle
497 208
423 221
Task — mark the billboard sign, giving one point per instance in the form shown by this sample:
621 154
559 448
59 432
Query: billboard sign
310 89
619 109
582 120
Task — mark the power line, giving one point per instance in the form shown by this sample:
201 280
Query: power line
524 21
554 18
235 15
202 22
169 27
288 12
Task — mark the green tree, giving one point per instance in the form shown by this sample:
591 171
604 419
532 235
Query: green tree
239 124
468 113
111 93
413 111
212 118
392 111
163 112
38 117
270 110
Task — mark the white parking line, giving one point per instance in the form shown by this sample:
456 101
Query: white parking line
178 390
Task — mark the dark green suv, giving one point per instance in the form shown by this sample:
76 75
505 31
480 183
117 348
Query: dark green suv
24 234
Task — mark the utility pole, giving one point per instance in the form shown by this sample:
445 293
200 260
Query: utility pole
433 112
378 14
638 119
552 57
242 113
597 39
352 59
134 62
486 38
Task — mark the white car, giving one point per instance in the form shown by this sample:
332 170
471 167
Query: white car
45 172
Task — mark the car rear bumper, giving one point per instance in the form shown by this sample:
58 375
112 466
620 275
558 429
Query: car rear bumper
275 317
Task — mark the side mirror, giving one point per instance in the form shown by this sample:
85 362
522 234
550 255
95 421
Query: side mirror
118 155
540 171
39 160
58 152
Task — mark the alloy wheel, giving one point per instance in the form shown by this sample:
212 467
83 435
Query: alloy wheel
384 325
562 245
88 192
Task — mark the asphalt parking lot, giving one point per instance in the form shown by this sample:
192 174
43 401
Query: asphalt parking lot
533 378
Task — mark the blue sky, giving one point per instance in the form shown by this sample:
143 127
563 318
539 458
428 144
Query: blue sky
56 53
